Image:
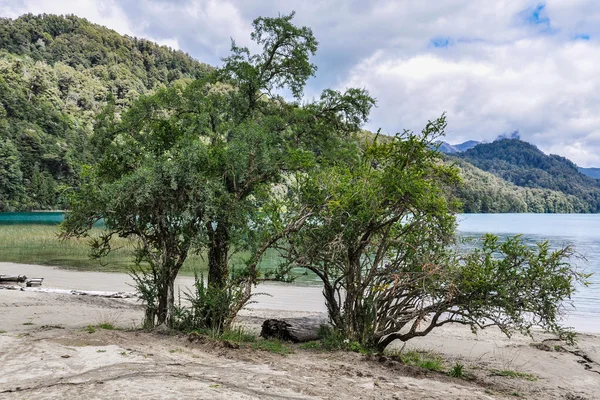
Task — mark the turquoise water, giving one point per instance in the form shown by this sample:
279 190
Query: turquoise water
580 230
43 218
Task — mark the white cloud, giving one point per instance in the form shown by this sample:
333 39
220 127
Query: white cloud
500 72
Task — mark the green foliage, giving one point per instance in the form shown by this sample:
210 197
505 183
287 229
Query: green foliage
56 76
484 192
515 374
421 358
91 329
107 326
238 335
193 167
207 308
272 346
457 371
525 165
331 339
379 237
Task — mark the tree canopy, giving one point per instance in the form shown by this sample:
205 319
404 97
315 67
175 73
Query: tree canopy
192 167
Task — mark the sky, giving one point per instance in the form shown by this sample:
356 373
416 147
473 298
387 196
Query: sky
494 67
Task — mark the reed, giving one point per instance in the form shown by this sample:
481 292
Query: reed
39 244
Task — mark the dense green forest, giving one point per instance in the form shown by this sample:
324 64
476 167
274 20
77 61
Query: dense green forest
484 192
58 74
524 165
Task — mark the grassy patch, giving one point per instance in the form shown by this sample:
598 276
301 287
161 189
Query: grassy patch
333 340
509 373
457 371
237 335
100 351
90 329
421 358
28 323
1 331
39 244
273 346
106 325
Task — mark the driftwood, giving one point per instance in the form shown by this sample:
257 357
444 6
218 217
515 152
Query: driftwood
11 279
293 329
34 282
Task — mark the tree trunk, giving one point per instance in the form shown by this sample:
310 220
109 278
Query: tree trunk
293 329
217 255
166 300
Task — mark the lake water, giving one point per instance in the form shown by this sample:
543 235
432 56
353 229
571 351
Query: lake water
580 230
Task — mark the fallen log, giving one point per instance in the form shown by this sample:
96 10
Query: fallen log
34 282
9 278
294 330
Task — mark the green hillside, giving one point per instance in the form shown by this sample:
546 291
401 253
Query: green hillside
56 76
524 165
484 192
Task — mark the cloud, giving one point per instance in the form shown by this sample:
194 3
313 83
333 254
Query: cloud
498 67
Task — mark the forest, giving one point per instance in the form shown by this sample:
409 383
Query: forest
57 74
62 77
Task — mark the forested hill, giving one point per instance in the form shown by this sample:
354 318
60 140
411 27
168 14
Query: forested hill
525 165
56 75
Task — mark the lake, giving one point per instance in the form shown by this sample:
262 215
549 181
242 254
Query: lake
580 230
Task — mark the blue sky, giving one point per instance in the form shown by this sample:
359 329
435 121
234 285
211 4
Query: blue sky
494 67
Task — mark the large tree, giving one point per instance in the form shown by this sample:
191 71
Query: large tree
380 238
194 167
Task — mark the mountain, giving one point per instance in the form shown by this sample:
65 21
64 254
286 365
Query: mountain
484 192
524 165
591 172
469 144
57 74
448 148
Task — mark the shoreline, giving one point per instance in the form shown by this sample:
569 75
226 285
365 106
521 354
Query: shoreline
277 295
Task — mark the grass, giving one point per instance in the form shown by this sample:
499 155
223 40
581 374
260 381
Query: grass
237 335
107 326
90 329
509 373
39 244
425 359
1 331
273 346
244 339
458 371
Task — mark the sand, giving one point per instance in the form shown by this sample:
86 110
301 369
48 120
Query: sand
46 352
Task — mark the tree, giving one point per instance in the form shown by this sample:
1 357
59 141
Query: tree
380 239
194 166
11 177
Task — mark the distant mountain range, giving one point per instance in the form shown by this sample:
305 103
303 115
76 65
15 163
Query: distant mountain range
448 148
592 172
559 184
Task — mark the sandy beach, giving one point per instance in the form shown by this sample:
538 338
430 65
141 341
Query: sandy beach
46 353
